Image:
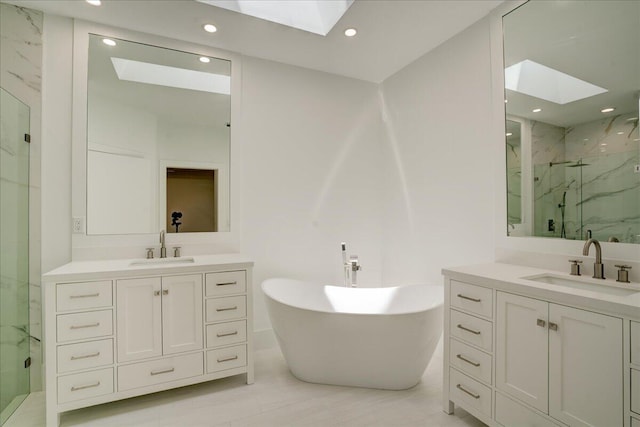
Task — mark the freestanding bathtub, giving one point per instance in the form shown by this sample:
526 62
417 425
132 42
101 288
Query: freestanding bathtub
363 337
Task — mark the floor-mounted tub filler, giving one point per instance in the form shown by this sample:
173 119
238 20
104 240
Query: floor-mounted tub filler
363 337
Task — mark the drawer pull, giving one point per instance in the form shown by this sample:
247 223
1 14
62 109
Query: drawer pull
87 356
475 396
82 387
97 294
541 323
228 359
156 293
91 325
235 307
468 330
464 359
469 298
164 371
228 334
553 326
227 283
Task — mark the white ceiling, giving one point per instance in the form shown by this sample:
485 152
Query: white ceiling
391 33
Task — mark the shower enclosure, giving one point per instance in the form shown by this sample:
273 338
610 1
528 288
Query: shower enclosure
14 254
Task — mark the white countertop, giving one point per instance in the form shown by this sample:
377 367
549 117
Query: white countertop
509 278
91 270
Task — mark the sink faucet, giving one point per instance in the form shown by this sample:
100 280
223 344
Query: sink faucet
598 267
163 248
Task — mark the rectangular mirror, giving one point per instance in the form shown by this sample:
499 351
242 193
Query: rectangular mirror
572 84
152 114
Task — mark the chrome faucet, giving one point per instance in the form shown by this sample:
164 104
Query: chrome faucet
350 267
163 248
598 267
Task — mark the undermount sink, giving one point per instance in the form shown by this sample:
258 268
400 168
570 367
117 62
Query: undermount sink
611 288
163 261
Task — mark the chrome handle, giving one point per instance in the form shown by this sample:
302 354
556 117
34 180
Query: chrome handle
92 325
541 323
468 330
461 357
82 387
156 293
553 326
165 371
475 396
85 356
469 298
227 283
165 292
235 307
227 359
97 294
227 334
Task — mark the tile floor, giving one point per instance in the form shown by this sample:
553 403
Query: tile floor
276 399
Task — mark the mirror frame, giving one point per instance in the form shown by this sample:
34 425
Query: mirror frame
618 251
101 246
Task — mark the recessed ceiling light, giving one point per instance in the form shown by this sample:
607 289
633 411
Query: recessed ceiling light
94 2
350 32
508 134
537 110
607 110
109 42
210 28
205 59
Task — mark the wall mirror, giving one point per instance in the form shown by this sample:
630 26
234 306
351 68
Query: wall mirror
157 139
571 97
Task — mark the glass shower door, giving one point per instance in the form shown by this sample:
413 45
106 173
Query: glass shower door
14 253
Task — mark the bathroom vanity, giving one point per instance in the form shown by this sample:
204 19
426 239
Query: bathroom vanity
123 328
526 347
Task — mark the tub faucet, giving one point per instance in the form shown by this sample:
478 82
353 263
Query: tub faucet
350 267
598 267
163 248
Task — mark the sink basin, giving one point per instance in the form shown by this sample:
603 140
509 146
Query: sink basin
587 284
163 261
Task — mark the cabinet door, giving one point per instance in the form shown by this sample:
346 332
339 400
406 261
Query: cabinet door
522 348
182 328
138 304
585 368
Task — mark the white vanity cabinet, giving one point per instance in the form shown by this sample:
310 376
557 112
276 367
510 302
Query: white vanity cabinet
533 355
114 331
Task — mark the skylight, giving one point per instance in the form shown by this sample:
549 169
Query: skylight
315 16
537 80
163 75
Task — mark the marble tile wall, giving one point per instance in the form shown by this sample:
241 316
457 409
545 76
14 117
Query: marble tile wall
20 75
598 182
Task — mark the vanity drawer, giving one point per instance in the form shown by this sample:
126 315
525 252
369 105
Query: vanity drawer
79 326
80 296
635 391
85 355
470 361
85 385
472 298
472 330
160 371
226 358
226 308
635 343
466 390
227 333
510 413
225 283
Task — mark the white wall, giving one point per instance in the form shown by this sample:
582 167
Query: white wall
439 179
312 171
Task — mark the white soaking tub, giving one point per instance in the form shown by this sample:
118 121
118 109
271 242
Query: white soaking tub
363 337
